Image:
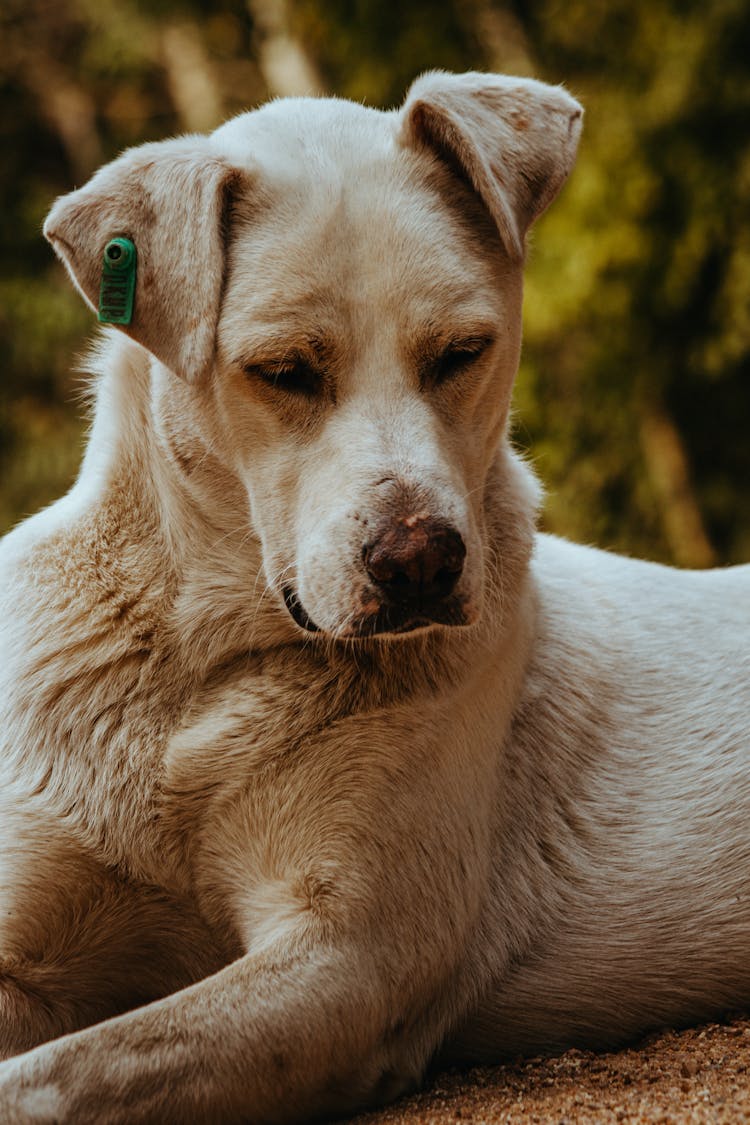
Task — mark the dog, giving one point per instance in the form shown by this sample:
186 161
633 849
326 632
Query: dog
320 765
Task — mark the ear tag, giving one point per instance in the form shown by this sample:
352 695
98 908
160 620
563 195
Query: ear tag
118 282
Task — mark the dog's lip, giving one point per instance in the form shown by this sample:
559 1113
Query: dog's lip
395 620
297 611
389 619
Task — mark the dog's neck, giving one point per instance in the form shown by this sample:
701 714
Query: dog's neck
189 514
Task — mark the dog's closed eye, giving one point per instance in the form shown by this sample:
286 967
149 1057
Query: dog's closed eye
441 366
291 376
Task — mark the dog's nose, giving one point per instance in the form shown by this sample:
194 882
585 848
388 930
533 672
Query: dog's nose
416 558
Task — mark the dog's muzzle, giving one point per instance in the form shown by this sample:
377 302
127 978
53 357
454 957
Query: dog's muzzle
414 566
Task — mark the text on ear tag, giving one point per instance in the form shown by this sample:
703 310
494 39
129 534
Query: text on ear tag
118 282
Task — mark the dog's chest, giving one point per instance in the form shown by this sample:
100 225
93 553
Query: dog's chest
288 795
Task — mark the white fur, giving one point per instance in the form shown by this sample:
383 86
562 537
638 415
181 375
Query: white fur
309 862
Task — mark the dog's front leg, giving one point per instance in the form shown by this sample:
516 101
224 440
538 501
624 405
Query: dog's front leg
267 1039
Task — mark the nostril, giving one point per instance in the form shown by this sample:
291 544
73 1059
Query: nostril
446 579
400 578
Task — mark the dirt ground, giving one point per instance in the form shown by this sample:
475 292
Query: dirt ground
676 1078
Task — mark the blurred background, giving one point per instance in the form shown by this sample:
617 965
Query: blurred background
633 399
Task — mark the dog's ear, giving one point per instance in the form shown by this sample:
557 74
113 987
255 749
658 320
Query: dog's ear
169 199
513 139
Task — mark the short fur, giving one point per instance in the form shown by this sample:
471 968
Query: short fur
280 871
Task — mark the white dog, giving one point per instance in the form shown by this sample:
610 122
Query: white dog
318 762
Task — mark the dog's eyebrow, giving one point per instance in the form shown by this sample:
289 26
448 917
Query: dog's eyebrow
434 341
281 347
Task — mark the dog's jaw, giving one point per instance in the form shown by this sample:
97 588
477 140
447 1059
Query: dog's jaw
392 620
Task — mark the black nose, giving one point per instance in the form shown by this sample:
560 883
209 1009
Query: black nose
415 559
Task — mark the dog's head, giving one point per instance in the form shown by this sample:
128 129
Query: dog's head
333 296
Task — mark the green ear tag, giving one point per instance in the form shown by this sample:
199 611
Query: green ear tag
118 282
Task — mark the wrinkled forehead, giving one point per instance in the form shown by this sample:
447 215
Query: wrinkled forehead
337 217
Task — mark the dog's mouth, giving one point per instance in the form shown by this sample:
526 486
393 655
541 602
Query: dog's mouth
393 619
297 610
399 619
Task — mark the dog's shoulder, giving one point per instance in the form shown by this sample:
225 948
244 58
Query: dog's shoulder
73 573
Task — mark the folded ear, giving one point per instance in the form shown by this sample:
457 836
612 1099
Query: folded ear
513 139
169 199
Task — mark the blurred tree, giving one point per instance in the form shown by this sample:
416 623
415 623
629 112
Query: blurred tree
635 391
633 395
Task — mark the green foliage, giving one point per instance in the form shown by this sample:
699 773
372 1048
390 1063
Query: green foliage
633 394
634 391
370 51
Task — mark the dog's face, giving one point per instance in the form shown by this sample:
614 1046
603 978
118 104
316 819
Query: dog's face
352 325
363 386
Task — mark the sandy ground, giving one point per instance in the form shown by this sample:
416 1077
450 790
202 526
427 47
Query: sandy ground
676 1078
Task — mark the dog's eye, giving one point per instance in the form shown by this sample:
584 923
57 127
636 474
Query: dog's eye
455 359
295 377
